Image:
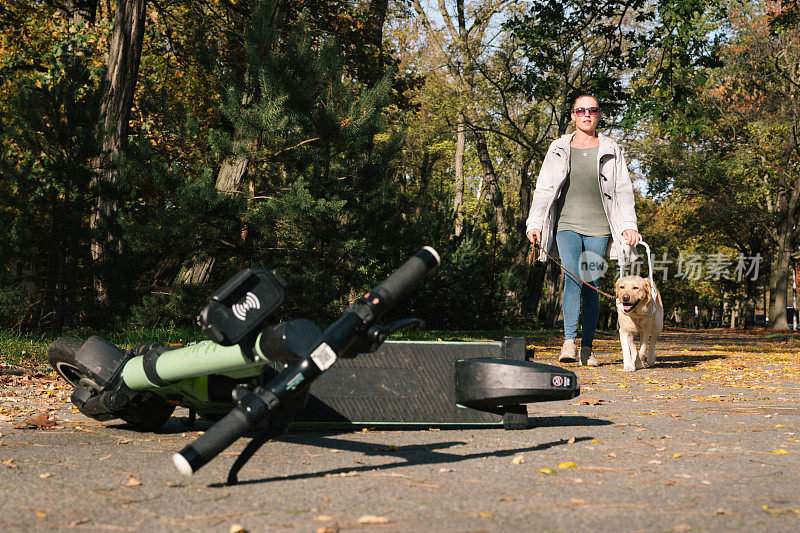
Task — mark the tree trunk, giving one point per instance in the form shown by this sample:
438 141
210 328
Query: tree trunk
779 285
458 200
82 11
375 20
229 180
124 53
492 185
554 288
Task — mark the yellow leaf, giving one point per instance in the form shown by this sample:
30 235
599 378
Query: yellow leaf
676 455
567 464
372 519
548 471
40 514
485 515
779 426
780 451
9 461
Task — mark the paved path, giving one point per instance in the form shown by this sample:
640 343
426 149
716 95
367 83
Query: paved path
707 440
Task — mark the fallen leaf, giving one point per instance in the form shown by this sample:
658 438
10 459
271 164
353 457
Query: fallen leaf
104 458
373 519
571 440
780 451
173 484
124 441
132 481
46 475
41 514
591 401
328 529
323 518
506 499
237 528
485 515
577 501
566 464
675 455
78 522
445 470
548 471
518 460
36 422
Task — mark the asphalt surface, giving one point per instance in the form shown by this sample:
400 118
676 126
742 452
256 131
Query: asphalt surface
706 441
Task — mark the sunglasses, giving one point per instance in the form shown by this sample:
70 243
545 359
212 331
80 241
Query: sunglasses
581 111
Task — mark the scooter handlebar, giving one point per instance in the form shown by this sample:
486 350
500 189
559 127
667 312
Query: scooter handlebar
252 408
205 447
397 286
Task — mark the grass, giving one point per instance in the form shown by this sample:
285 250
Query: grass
31 350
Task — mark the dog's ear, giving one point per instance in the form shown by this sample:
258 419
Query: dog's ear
649 288
617 287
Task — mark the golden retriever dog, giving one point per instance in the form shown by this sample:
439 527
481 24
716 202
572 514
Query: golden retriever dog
639 310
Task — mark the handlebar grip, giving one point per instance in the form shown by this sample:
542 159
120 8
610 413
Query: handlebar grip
397 286
212 442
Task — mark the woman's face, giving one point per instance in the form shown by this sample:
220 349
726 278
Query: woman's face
588 122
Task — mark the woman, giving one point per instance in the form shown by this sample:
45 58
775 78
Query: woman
583 197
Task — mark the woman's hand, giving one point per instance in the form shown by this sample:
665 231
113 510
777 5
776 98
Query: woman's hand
632 237
535 236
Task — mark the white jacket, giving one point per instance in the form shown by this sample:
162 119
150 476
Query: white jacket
615 187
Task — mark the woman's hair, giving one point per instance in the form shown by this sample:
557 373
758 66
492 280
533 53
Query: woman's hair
586 96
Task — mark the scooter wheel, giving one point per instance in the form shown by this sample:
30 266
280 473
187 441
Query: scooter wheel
62 356
146 411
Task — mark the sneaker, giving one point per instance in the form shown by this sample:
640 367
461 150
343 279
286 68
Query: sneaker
587 357
568 352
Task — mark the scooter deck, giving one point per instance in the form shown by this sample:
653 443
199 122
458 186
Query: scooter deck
406 383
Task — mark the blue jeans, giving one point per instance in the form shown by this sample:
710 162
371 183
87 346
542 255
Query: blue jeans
570 246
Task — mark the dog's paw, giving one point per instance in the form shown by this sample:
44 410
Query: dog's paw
629 368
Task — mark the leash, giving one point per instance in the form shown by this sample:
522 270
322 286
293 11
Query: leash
567 271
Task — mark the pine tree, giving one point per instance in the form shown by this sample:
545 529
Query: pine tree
315 192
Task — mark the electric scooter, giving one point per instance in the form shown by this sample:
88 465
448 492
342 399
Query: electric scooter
252 371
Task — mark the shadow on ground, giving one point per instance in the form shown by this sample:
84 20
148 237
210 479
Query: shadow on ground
424 454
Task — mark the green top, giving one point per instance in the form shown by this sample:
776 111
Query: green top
580 204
